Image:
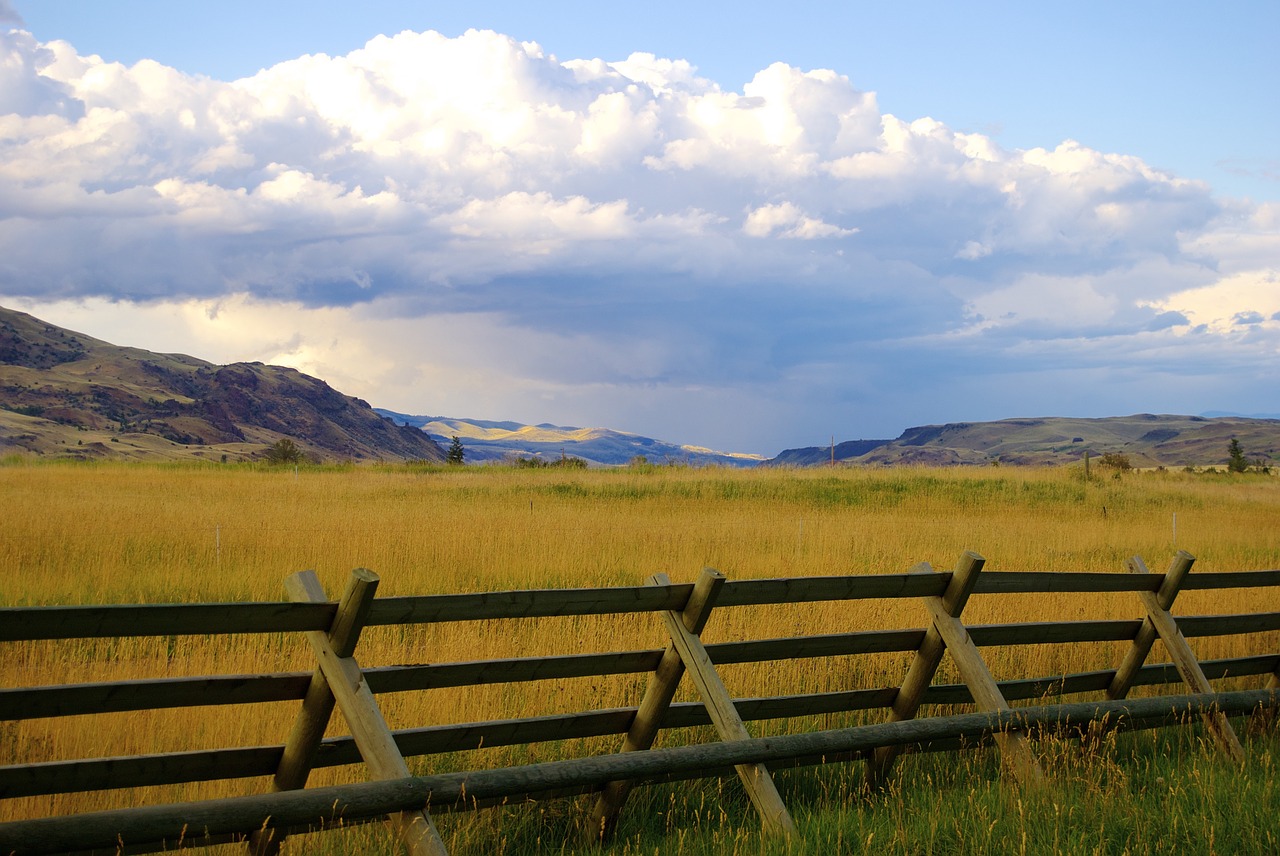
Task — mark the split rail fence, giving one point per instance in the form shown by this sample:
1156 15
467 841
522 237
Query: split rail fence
333 631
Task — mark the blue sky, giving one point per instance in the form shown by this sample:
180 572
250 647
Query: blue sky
741 226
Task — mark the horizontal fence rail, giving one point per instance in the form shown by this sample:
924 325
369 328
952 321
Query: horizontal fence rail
333 630
82 622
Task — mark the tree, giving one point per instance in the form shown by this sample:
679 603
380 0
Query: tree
1236 462
457 455
284 451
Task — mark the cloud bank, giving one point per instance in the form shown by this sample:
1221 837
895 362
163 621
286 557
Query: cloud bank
472 227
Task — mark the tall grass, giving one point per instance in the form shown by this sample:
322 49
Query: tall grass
109 533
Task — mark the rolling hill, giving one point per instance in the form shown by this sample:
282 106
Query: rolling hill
1145 439
487 441
65 394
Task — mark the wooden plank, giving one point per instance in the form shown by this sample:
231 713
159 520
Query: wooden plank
317 704
154 694
74 622
1051 632
131 827
818 589
658 694
1057 582
1146 636
625 599
347 687
1231 579
531 603
1046 582
161 619
928 657
808 647
95 774
1189 668
1015 749
719 704
1227 625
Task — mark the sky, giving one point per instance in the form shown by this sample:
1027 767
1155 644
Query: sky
742 226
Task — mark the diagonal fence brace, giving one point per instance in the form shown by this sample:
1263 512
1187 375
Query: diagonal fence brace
1160 623
948 633
719 705
339 681
1137 654
653 706
685 651
313 717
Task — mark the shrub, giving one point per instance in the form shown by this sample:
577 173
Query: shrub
529 463
1116 461
569 463
284 451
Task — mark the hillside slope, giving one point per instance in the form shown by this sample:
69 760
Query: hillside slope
66 394
485 440
1146 439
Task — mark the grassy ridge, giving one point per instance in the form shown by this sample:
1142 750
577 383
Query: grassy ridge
99 533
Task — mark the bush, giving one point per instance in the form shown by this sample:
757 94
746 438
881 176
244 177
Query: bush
284 451
1116 461
529 463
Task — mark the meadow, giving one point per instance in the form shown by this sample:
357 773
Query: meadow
122 533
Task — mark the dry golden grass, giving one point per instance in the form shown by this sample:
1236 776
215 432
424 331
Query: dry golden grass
114 533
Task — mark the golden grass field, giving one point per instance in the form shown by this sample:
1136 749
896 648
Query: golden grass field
125 533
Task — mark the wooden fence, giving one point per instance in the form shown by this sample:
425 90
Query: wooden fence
333 631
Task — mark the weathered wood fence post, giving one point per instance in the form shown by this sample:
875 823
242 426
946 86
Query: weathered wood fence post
685 651
338 680
658 694
1159 623
947 633
719 704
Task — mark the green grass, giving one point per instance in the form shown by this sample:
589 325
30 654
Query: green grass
1149 793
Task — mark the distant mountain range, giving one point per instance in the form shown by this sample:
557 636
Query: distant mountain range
1145 439
485 441
65 394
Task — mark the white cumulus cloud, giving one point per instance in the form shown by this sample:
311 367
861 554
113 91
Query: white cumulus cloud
788 221
754 240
